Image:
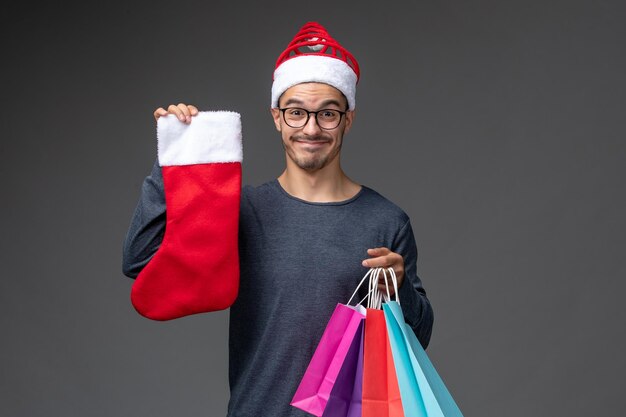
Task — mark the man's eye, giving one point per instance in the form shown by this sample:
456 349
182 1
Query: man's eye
329 114
295 112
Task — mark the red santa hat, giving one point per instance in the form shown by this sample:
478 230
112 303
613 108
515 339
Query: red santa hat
314 56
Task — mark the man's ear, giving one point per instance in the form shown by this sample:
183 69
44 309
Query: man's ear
350 115
276 117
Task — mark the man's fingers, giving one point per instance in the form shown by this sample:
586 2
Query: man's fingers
378 251
385 258
172 109
185 111
159 112
182 111
378 259
376 262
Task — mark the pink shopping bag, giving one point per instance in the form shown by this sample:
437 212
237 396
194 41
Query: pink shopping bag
345 398
320 376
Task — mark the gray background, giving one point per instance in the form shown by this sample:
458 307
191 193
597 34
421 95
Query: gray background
497 125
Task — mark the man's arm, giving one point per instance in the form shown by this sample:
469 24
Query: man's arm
402 257
147 226
416 307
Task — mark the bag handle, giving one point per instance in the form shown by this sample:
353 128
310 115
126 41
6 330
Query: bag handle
374 296
359 286
394 281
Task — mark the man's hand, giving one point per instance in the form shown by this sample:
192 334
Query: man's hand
183 111
383 257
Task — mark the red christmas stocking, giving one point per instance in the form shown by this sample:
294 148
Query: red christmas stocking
196 268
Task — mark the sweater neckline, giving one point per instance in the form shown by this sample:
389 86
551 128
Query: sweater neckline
277 185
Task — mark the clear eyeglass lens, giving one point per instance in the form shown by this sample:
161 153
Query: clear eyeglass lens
327 118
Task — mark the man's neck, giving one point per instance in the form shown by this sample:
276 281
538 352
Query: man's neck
329 184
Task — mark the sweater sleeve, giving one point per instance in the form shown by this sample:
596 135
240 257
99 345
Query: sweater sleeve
147 226
416 308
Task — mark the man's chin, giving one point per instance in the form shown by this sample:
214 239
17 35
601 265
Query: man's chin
311 166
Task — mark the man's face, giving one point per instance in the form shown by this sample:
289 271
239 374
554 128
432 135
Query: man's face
310 147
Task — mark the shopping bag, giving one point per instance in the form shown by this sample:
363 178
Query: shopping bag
313 393
319 378
345 397
381 394
422 389
412 401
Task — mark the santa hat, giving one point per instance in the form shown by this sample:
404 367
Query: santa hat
314 56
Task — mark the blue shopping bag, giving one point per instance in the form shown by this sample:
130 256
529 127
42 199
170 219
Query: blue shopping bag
422 390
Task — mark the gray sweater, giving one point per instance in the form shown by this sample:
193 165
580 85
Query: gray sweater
298 260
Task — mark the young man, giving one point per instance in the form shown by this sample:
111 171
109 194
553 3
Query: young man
305 239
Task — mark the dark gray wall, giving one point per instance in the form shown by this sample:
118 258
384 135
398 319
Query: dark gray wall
497 125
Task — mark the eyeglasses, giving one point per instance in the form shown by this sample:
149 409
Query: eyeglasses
326 119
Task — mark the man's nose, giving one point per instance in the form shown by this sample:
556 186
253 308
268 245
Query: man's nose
311 127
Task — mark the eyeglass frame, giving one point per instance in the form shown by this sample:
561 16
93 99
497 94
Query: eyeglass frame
308 116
